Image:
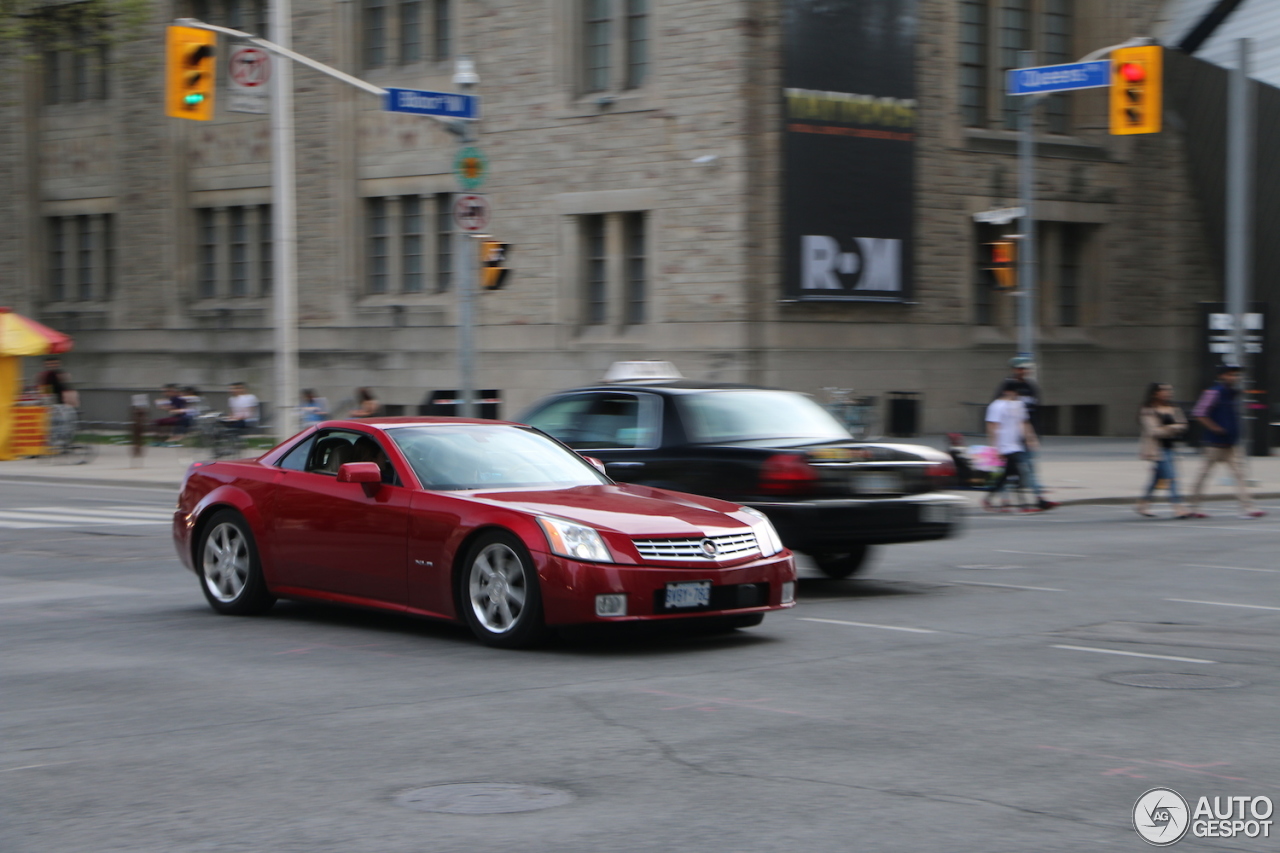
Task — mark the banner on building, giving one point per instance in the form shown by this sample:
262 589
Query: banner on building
849 149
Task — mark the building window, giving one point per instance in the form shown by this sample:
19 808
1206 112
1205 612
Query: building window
614 44
248 15
233 251
614 268
1070 254
397 33
993 34
75 57
637 42
399 241
81 257
442 34
636 272
444 242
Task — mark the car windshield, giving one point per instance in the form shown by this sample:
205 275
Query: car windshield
738 415
490 456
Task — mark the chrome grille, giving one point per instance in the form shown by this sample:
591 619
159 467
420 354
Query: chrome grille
727 547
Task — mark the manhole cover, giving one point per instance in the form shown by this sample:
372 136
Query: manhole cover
1172 680
483 798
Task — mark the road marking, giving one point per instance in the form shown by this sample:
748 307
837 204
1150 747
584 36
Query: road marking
867 625
49 516
1010 586
1223 604
1215 527
34 766
1233 568
1039 553
1133 654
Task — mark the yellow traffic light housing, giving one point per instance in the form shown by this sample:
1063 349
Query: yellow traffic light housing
1002 260
493 264
1137 83
190 66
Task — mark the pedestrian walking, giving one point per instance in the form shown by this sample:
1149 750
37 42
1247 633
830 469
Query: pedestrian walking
314 409
1162 425
1020 370
367 405
1217 411
242 408
1009 432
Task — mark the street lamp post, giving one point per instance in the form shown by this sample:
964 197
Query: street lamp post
465 78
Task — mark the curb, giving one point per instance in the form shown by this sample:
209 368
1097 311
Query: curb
1264 496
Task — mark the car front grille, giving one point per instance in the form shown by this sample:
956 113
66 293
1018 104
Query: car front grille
727 547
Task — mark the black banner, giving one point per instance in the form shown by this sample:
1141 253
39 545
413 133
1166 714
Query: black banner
1219 344
849 153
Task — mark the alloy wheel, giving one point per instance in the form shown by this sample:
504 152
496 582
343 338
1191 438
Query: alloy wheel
226 562
497 588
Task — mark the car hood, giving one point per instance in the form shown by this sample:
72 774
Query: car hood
628 510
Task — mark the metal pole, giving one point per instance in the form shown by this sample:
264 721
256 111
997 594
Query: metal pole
1240 223
467 264
284 227
1027 251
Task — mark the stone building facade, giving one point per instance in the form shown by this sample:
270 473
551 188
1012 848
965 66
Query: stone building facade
634 152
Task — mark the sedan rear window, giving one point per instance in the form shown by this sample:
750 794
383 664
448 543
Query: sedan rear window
480 456
739 415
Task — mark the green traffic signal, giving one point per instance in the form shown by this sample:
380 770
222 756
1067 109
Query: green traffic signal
193 98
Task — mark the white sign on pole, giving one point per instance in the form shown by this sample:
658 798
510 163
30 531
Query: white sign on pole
248 70
471 212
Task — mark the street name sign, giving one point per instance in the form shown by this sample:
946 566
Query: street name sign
1059 78
445 104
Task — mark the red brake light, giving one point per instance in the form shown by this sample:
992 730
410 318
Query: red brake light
943 473
786 474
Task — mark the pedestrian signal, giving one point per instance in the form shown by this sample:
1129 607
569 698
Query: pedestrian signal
190 73
1002 257
493 264
1136 89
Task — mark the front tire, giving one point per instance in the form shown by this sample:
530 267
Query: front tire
230 571
501 601
843 564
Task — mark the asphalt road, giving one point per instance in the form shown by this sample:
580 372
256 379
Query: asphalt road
959 698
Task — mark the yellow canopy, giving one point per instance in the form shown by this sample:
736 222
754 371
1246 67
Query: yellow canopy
20 336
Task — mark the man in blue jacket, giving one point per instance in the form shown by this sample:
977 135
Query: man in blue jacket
1218 412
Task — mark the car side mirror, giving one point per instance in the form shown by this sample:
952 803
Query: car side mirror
599 466
360 472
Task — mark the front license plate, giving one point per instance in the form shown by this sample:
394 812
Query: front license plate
689 594
876 483
935 513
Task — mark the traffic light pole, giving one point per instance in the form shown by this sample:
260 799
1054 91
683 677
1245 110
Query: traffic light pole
284 226
1239 221
1027 251
284 229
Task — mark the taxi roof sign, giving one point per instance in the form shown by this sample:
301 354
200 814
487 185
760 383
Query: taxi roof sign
641 371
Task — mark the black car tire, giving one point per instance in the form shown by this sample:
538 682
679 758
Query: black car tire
229 569
843 564
493 554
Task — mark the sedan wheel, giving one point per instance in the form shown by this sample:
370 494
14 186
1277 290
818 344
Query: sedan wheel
230 572
502 604
842 564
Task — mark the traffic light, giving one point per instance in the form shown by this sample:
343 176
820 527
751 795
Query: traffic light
1002 260
190 73
1136 89
493 264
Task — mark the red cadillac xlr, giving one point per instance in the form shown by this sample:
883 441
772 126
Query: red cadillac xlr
492 524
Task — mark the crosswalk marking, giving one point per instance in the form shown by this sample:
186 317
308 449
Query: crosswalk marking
27 518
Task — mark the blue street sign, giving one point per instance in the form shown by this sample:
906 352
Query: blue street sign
1059 78
447 104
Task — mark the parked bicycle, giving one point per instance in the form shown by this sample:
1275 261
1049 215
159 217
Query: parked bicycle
61 445
218 437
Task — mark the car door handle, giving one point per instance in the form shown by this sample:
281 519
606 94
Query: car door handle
624 464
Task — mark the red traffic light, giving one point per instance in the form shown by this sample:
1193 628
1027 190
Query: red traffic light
1133 72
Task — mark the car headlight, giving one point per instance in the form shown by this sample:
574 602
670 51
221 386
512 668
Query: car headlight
575 540
766 537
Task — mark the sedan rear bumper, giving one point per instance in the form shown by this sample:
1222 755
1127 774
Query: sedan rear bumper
569 588
833 524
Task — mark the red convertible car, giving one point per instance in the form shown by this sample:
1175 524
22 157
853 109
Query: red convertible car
493 524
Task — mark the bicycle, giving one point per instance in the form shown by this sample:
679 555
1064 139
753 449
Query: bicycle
221 439
61 445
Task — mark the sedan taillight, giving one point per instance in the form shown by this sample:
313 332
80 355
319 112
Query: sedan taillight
787 474
942 475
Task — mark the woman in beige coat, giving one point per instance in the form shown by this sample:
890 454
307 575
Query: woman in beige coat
1163 423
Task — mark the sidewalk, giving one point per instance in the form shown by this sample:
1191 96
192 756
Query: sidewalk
1075 470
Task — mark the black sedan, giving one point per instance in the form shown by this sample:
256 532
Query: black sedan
829 495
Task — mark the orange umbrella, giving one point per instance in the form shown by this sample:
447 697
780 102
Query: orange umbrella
20 336
23 336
